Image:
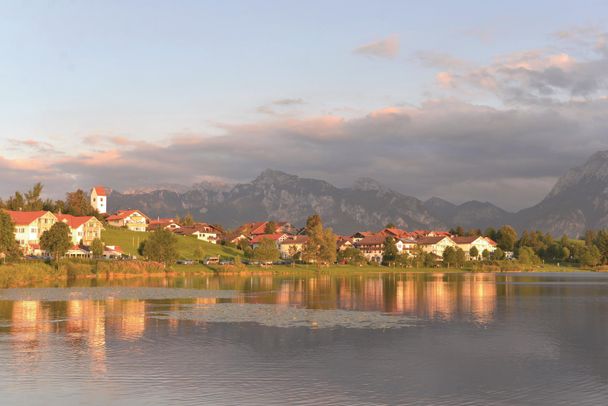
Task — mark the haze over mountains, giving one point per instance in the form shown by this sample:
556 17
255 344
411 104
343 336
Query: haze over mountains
578 201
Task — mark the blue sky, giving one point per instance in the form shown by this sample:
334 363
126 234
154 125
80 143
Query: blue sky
76 77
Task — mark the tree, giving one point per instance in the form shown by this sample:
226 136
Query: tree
271 228
77 203
161 247
474 253
601 242
486 254
527 256
506 236
33 202
56 240
266 251
187 221
390 251
198 252
460 257
449 257
351 256
390 225
9 248
498 254
490 233
97 248
321 244
590 256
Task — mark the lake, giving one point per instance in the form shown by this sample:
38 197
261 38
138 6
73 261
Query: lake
441 339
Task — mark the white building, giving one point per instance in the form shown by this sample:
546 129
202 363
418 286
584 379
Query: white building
99 199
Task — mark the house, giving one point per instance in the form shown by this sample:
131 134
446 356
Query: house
358 236
372 247
407 246
481 243
292 246
164 223
133 220
201 231
343 243
435 245
396 233
112 252
29 226
99 199
77 251
83 229
278 238
259 228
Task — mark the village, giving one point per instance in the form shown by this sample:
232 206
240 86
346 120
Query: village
289 241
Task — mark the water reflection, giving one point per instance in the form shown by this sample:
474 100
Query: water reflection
538 321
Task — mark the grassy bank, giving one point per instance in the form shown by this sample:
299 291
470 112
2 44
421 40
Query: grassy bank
35 272
186 246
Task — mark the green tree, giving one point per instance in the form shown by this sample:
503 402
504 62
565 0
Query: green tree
321 244
601 242
498 254
327 250
390 225
449 257
198 252
390 251
9 247
486 254
266 251
271 227
474 253
351 256
187 221
460 258
161 246
77 203
490 233
527 256
590 256
97 248
33 202
506 236
56 240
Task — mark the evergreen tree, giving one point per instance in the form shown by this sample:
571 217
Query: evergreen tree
9 248
506 236
474 253
390 251
271 227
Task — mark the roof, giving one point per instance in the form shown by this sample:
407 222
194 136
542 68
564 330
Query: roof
298 239
258 238
430 240
373 240
467 239
73 221
396 232
22 218
123 214
100 191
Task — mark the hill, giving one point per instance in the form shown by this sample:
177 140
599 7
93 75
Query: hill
129 242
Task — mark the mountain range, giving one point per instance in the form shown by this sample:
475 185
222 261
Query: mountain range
578 201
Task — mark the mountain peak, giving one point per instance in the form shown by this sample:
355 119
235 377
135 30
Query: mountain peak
273 176
595 169
368 184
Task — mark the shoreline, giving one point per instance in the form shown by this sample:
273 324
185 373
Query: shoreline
27 274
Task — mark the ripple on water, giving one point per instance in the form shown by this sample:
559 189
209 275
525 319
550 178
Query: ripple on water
118 293
286 316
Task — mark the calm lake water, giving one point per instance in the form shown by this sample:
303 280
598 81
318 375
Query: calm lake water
440 339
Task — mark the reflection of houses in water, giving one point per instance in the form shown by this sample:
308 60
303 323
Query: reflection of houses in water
127 317
87 320
445 296
30 323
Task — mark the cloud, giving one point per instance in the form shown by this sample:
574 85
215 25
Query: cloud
280 104
450 148
384 48
39 147
532 77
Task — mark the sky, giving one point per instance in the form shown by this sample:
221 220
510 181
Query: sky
463 100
